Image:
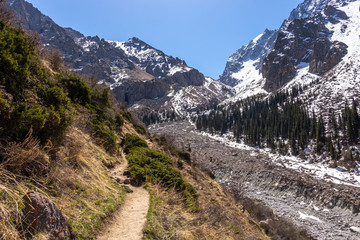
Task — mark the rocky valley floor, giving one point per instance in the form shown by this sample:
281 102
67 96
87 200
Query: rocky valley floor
328 207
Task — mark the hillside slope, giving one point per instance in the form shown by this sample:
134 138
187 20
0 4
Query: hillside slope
59 139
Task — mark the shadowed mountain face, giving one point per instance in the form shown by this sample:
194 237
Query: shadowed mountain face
134 70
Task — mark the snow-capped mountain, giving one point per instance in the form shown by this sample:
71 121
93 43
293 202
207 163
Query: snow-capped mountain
314 44
138 74
149 59
246 62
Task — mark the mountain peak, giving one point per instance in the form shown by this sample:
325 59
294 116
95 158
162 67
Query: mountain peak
316 37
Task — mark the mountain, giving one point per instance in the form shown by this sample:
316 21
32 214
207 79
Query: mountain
143 77
318 45
243 68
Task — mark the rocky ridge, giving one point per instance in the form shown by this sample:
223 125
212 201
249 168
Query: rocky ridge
135 71
309 46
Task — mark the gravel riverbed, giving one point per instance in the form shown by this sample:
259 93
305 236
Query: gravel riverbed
327 210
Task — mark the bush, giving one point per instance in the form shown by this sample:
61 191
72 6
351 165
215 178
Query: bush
103 131
45 122
119 120
54 96
78 91
4 105
140 129
25 117
127 116
184 155
102 96
133 141
157 167
16 53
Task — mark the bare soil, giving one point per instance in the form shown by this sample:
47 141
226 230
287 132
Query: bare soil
128 222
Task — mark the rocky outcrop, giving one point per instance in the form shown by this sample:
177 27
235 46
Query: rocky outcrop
278 70
326 55
133 91
255 51
149 59
305 41
42 215
334 14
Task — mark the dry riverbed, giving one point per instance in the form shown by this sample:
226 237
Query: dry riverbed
326 209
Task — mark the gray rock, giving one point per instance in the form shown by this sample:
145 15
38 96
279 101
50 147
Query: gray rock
116 179
127 173
127 188
42 215
127 181
355 229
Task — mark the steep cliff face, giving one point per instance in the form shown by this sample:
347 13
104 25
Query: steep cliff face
305 41
135 71
316 39
249 56
134 91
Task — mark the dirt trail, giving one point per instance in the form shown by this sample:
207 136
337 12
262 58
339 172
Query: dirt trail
130 219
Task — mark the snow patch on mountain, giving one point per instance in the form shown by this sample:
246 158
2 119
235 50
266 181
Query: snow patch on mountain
150 59
341 83
177 68
86 44
188 99
142 53
318 170
243 68
118 75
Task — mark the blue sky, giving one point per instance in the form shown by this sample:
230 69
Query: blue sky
204 33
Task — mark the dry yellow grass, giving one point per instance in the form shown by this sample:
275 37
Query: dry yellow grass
87 194
219 216
73 175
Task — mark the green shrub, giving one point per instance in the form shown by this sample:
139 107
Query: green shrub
180 164
45 122
16 53
127 116
101 96
157 167
119 120
184 155
54 96
140 129
4 105
25 117
133 141
103 131
78 91
57 122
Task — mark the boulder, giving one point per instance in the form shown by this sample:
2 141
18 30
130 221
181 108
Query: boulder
326 55
127 188
42 215
355 229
